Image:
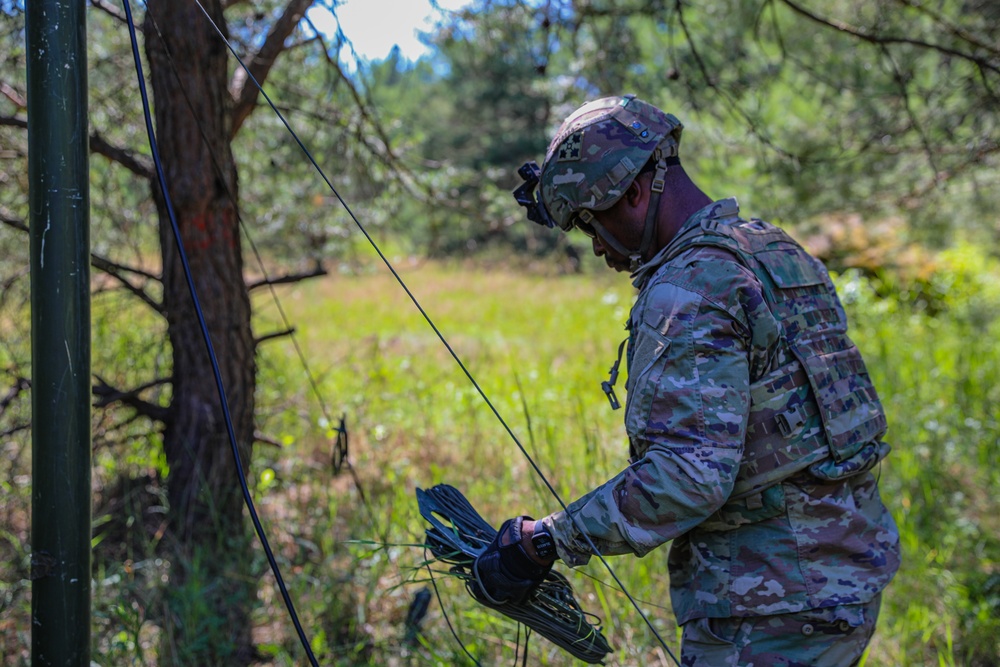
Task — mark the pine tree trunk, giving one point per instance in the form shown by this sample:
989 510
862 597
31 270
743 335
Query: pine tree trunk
188 70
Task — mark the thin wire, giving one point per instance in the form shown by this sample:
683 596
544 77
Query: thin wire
437 332
208 340
447 620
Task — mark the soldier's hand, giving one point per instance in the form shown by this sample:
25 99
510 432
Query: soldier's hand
504 572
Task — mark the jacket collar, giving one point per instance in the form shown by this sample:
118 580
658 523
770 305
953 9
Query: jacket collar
717 210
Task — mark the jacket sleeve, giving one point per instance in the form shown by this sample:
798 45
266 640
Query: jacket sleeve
686 414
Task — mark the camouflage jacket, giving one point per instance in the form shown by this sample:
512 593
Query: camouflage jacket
701 334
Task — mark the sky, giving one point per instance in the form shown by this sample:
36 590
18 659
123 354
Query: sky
374 26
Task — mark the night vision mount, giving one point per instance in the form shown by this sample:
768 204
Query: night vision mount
526 197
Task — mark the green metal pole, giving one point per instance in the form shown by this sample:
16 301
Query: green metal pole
58 171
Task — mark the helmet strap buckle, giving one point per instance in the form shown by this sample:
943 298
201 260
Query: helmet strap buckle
660 175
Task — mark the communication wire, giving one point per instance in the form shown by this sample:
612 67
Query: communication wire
447 619
208 342
437 332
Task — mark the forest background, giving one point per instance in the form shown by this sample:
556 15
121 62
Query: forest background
868 129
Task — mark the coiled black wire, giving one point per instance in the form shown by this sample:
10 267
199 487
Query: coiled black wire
551 610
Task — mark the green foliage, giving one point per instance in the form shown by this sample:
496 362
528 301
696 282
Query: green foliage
880 108
801 120
940 391
539 346
494 62
415 422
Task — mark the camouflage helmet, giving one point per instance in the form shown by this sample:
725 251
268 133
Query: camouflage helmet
599 150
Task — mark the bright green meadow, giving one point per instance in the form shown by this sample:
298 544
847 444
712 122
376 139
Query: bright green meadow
539 346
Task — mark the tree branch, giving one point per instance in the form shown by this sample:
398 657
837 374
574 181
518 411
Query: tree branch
20 384
733 107
113 269
273 335
304 42
11 280
914 198
139 165
113 12
956 30
384 153
14 121
316 271
107 434
106 395
14 429
853 31
116 270
123 268
904 92
7 219
259 436
13 95
244 91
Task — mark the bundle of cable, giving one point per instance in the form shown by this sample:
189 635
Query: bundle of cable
458 534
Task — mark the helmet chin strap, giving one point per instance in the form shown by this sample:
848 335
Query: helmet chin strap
656 188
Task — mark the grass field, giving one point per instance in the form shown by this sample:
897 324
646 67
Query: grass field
539 347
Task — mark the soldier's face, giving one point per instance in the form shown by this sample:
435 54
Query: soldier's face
624 221
613 259
601 249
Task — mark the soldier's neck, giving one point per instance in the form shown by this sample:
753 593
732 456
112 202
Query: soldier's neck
681 199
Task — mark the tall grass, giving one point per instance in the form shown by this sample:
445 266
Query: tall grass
539 347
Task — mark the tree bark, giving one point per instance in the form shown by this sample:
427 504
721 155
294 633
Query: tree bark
193 111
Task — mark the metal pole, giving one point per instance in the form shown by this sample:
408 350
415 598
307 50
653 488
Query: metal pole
60 332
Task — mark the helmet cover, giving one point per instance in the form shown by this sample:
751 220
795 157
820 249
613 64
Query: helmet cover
599 150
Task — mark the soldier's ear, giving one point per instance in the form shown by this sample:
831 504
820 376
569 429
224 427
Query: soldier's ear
635 193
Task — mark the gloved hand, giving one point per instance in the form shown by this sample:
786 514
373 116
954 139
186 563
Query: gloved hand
504 572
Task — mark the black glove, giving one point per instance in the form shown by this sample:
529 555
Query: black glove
504 572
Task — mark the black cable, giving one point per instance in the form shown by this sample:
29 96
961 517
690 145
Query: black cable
208 339
444 341
447 620
458 535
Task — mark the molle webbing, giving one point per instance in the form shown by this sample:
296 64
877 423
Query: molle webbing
821 405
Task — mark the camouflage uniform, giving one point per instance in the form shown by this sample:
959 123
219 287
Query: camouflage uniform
753 426
826 637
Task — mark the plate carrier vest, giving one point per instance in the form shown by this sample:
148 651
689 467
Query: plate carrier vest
820 410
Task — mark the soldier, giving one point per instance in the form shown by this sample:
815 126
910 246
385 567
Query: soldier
752 420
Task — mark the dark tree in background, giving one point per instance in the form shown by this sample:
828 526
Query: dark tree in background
199 110
188 68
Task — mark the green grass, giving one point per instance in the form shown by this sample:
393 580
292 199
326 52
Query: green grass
539 347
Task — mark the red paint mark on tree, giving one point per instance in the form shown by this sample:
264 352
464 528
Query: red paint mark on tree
215 228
